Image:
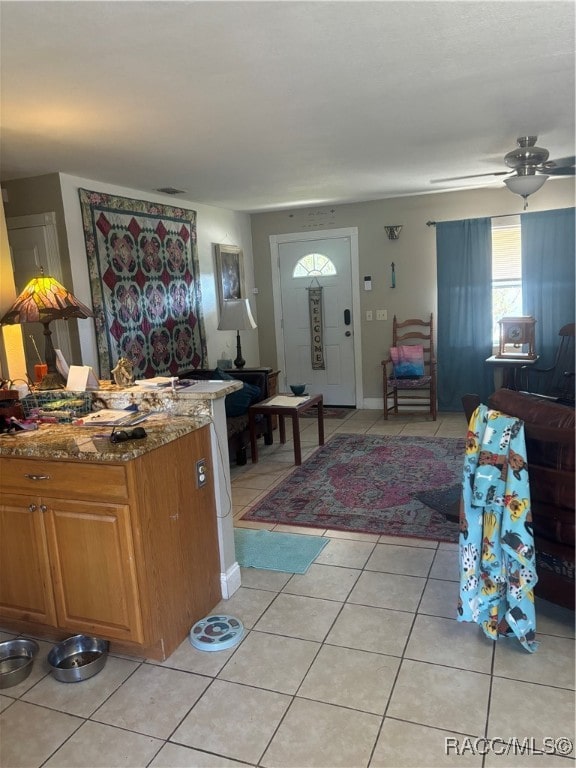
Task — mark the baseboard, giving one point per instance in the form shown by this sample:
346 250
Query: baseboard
377 404
230 581
373 404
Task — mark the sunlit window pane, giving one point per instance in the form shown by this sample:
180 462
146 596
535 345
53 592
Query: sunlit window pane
314 265
506 274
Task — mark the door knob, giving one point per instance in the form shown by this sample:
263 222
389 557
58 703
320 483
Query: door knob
348 333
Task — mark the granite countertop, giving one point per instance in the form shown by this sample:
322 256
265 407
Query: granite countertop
187 389
193 400
92 444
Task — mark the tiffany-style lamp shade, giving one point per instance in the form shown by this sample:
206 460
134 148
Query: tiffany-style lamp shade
45 299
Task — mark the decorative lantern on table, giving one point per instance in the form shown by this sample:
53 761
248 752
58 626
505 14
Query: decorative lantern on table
517 338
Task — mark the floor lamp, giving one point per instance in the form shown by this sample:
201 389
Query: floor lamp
236 315
44 299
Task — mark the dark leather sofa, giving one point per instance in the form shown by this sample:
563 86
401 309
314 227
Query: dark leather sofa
549 433
237 426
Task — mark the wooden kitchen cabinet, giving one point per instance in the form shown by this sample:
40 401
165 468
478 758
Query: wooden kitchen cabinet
80 555
124 551
25 579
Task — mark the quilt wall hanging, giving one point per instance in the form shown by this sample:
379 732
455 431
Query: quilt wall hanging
145 284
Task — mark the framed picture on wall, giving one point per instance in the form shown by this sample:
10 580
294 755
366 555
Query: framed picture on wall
229 273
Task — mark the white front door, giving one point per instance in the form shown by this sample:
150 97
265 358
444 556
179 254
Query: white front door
308 262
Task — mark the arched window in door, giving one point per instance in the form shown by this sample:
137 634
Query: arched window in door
314 265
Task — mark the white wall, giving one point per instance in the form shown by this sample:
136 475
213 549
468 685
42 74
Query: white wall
213 225
414 255
12 361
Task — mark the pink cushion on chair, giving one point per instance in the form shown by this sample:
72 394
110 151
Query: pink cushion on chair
408 361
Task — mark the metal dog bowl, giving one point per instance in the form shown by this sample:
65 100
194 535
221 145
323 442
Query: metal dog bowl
16 660
78 658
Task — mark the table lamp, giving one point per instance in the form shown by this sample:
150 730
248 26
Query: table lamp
45 299
236 315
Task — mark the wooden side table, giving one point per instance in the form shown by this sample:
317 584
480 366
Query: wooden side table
272 385
273 382
273 390
280 406
272 378
512 373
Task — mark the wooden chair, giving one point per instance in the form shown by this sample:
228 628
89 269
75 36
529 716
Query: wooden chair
417 389
557 381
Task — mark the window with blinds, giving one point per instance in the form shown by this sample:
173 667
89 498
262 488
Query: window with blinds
506 272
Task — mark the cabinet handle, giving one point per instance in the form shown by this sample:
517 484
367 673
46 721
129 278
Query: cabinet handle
32 508
43 508
37 477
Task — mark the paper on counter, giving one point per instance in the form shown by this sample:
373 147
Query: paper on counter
81 378
287 401
111 418
157 381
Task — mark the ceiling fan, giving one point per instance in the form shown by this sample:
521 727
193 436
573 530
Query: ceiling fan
529 166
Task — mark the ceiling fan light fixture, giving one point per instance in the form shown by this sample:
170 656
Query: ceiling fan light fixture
525 185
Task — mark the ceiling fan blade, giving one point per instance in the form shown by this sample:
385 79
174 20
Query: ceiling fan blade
563 166
473 176
565 171
563 161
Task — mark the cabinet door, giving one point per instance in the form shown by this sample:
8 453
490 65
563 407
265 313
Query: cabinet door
25 580
92 559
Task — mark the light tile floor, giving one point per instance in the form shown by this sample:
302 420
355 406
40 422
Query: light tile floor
330 672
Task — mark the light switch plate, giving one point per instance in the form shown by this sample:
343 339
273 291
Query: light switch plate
201 473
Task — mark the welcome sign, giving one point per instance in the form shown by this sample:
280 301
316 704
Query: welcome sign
316 330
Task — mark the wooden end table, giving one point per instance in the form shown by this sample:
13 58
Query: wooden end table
280 406
513 367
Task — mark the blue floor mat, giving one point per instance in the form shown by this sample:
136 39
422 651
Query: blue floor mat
288 552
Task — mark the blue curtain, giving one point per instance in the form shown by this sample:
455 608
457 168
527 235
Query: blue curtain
548 255
464 271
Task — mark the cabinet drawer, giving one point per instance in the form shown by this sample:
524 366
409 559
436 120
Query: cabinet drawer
101 482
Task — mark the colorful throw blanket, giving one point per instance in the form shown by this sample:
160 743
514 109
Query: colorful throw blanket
497 559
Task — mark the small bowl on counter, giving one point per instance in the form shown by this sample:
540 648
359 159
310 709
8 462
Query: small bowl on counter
298 389
78 658
16 660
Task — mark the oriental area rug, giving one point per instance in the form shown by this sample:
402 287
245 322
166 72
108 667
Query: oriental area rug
370 484
145 284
